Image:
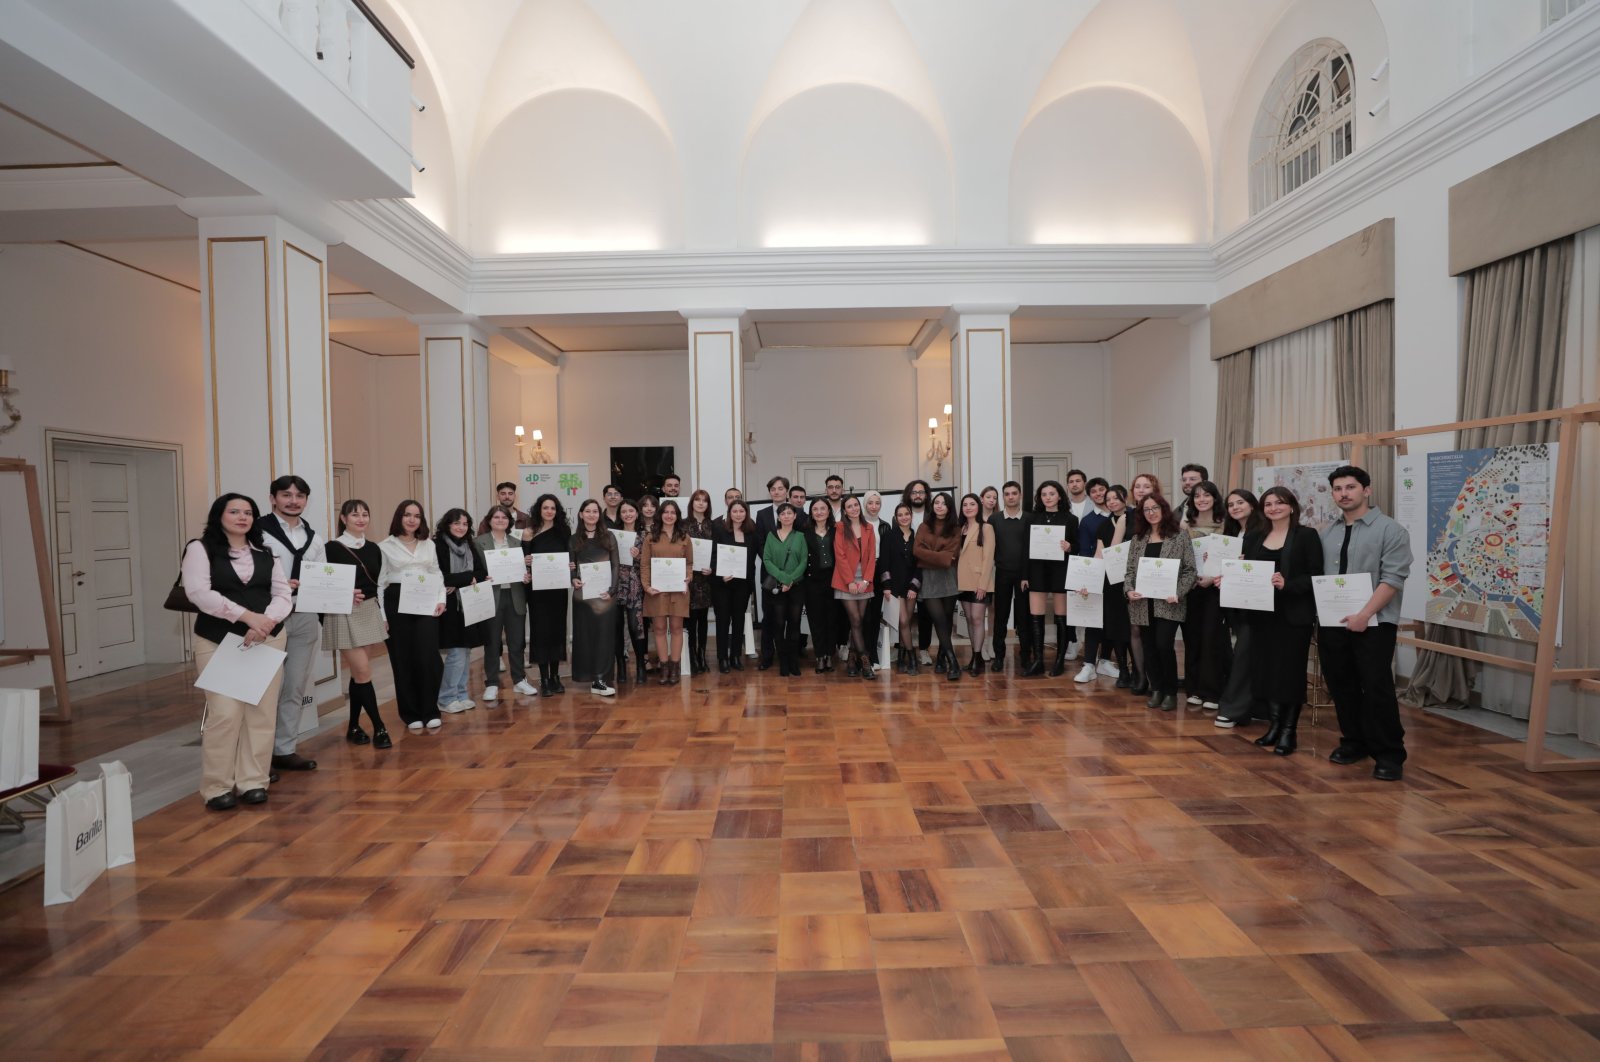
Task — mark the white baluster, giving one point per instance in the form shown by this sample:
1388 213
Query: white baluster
299 20
333 40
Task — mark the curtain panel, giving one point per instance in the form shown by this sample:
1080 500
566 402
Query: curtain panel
1235 412
1293 377
1363 360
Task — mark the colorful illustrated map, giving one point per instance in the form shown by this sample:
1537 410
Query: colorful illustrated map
1310 485
1488 528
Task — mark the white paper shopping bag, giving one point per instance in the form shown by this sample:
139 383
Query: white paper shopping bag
74 841
119 813
19 738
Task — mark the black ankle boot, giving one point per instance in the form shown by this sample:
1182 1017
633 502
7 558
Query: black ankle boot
954 671
1125 676
638 661
736 655
1141 681
1036 660
1286 732
975 668
1274 728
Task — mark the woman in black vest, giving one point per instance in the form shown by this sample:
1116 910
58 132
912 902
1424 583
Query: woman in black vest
239 588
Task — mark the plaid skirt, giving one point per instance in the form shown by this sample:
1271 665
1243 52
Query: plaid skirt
363 627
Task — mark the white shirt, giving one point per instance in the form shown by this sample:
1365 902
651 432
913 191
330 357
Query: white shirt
317 554
1080 507
397 560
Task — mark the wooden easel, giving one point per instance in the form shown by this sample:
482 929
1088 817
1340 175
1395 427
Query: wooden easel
47 596
1543 667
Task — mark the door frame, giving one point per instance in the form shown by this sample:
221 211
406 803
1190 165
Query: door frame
54 437
1133 452
876 460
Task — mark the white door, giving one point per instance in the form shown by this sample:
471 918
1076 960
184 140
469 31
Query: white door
96 498
1045 466
1156 460
860 474
344 484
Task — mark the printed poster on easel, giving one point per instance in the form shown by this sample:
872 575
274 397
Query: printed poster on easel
1309 482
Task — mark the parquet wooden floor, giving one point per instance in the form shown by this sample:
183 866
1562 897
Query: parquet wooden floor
747 867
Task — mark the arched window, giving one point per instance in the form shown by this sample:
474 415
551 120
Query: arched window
1306 123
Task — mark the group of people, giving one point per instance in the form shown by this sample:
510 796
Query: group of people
655 568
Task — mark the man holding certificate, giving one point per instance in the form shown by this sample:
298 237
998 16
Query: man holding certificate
1358 648
296 545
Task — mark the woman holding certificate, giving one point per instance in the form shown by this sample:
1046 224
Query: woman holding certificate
697 525
355 634
463 566
975 575
818 534
1280 640
1238 703
1052 532
1109 641
936 547
510 620
594 628
899 579
855 562
239 588
1207 652
666 569
732 578
1159 576
630 590
548 548
784 554
413 598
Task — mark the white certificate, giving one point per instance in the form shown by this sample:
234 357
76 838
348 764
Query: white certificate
326 588
733 560
505 565
477 603
626 540
1339 596
668 575
1211 550
1158 577
1086 611
1247 584
704 549
1044 542
240 673
421 592
549 571
596 577
1086 573
1116 558
891 612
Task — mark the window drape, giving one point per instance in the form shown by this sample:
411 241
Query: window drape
1363 359
1235 412
1293 378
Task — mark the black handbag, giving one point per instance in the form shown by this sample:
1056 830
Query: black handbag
177 600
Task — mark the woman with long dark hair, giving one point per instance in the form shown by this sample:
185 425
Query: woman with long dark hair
899 578
1280 640
1207 651
1157 534
594 628
1238 704
784 554
1047 579
548 532
463 565
1105 650
937 547
855 551
355 635
819 581
975 574
731 585
667 609
239 588
508 625
630 593
697 525
413 641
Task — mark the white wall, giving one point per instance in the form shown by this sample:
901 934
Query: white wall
102 350
505 413
1157 392
623 399
374 398
1058 402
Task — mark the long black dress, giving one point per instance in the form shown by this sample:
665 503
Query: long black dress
547 609
594 622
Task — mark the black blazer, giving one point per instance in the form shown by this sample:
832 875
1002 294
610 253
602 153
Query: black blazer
1300 559
898 570
752 544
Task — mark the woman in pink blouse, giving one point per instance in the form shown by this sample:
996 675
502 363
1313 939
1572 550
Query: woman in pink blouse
239 588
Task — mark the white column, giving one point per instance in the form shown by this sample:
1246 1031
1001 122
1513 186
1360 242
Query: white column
980 387
716 403
264 327
455 415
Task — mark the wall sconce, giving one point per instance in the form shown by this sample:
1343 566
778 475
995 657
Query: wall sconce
750 446
540 455
13 414
938 448
522 447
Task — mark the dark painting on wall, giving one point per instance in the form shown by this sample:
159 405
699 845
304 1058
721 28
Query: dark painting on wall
636 469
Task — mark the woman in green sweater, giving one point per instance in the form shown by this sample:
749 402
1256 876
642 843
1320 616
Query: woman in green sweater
785 555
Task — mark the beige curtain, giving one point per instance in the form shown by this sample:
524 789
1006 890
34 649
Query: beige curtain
1235 412
1513 333
1363 365
1291 379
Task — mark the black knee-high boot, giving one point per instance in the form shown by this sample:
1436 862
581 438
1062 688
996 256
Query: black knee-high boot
1036 661
354 734
1062 638
380 733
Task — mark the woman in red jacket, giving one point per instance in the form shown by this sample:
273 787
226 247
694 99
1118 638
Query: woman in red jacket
855 559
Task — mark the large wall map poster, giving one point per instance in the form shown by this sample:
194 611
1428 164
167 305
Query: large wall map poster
1310 485
1488 535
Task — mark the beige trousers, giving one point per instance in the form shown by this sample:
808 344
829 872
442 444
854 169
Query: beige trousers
236 738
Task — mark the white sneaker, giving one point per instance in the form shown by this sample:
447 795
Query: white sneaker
435 724
415 728
456 706
466 705
1085 674
600 689
491 694
1209 706
525 689
1108 669
927 661
1072 650
1194 700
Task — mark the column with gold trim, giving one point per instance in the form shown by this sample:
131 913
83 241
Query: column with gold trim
716 404
980 389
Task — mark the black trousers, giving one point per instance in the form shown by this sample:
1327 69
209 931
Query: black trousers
784 619
730 600
771 636
413 645
1161 654
1207 654
819 614
1359 670
1238 694
1008 592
